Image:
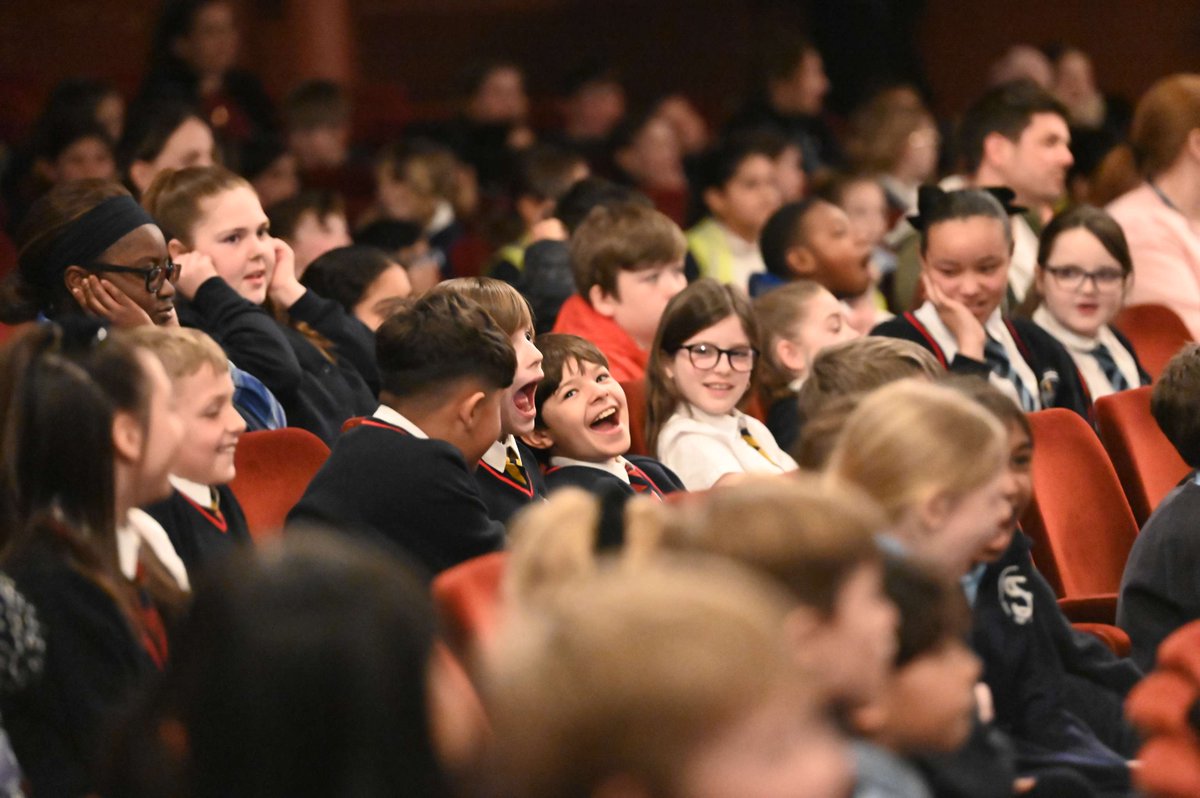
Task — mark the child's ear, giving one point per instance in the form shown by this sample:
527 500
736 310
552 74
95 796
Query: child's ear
602 302
176 248
472 407
997 149
934 510
801 261
714 200
539 438
128 437
140 174
789 355
73 277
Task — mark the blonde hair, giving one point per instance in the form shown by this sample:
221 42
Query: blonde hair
809 537
628 673
910 441
778 312
174 197
183 351
505 304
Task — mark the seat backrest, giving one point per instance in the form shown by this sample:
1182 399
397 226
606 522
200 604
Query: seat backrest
467 597
1079 520
1146 462
273 469
1156 333
635 397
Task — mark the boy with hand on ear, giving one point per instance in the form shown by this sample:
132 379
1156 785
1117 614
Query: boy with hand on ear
812 240
405 474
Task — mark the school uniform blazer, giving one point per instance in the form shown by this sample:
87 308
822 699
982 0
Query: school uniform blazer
1080 349
414 493
784 422
1059 383
597 480
701 448
200 536
502 495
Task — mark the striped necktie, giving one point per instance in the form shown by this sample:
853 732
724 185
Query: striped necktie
513 468
640 482
749 439
997 359
1109 366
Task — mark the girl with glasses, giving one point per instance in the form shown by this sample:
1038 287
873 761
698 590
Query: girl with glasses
701 367
1084 271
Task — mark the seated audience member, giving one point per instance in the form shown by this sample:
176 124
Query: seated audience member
543 175
61 396
895 138
927 703
403 476
317 359
405 244
271 170
312 223
508 475
701 368
864 200
1158 594
163 136
737 186
628 262
586 697
590 193
647 152
1098 122
1083 272
966 244
855 368
1159 216
246 694
77 152
202 517
367 283
593 105
813 240
582 425
795 322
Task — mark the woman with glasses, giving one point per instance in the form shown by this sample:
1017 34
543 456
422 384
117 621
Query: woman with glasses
1084 270
701 367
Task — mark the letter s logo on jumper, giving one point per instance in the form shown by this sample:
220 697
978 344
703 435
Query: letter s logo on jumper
1015 600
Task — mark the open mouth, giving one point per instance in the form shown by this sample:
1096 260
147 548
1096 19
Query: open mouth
719 387
608 421
523 399
254 277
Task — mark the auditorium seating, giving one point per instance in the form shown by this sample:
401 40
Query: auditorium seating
273 469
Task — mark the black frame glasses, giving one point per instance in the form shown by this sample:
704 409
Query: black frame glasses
154 276
707 357
1073 278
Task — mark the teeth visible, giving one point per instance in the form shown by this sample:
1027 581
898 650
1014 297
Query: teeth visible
612 411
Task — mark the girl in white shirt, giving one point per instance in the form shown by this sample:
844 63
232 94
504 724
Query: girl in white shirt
701 366
1084 270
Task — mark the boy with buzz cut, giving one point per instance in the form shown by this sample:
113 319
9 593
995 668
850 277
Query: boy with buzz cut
202 517
404 475
628 263
582 425
1159 590
812 240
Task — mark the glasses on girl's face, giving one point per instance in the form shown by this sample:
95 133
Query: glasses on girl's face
154 276
707 356
1072 278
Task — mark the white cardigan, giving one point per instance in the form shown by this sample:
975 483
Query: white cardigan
701 448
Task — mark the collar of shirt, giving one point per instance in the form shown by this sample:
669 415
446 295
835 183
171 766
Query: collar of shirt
200 494
614 466
1068 338
497 454
1081 350
391 416
731 420
443 217
139 527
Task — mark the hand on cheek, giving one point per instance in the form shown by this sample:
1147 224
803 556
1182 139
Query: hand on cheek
284 289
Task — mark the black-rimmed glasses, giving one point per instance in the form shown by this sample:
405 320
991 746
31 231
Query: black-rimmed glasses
154 276
707 356
1072 278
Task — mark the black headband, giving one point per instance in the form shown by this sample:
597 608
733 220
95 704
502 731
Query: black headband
87 237
931 199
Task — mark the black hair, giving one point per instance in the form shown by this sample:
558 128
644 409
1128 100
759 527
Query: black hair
54 141
390 235
344 274
591 192
781 53
936 206
591 72
71 104
260 154
543 172
177 20
476 73
148 127
784 230
932 609
285 215
1005 109
316 103
719 166
441 339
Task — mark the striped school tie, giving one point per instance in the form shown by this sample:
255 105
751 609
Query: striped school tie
640 482
1109 366
513 468
749 439
997 359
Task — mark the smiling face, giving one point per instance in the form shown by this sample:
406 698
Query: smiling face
233 231
163 433
1086 308
517 413
718 389
211 426
587 417
1018 491
967 260
967 524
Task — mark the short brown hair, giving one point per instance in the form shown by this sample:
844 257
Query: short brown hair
173 199
505 304
624 237
779 312
820 433
1173 403
286 215
557 350
182 350
863 365
808 536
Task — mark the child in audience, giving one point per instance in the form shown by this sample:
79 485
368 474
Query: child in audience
860 366
587 697
865 202
403 475
796 322
320 363
1084 269
312 223
170 135
628 262
812 239
1158 593
405 243
966 244
582 424
508 475
80 151
363 280
701 367
739 190
202 516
